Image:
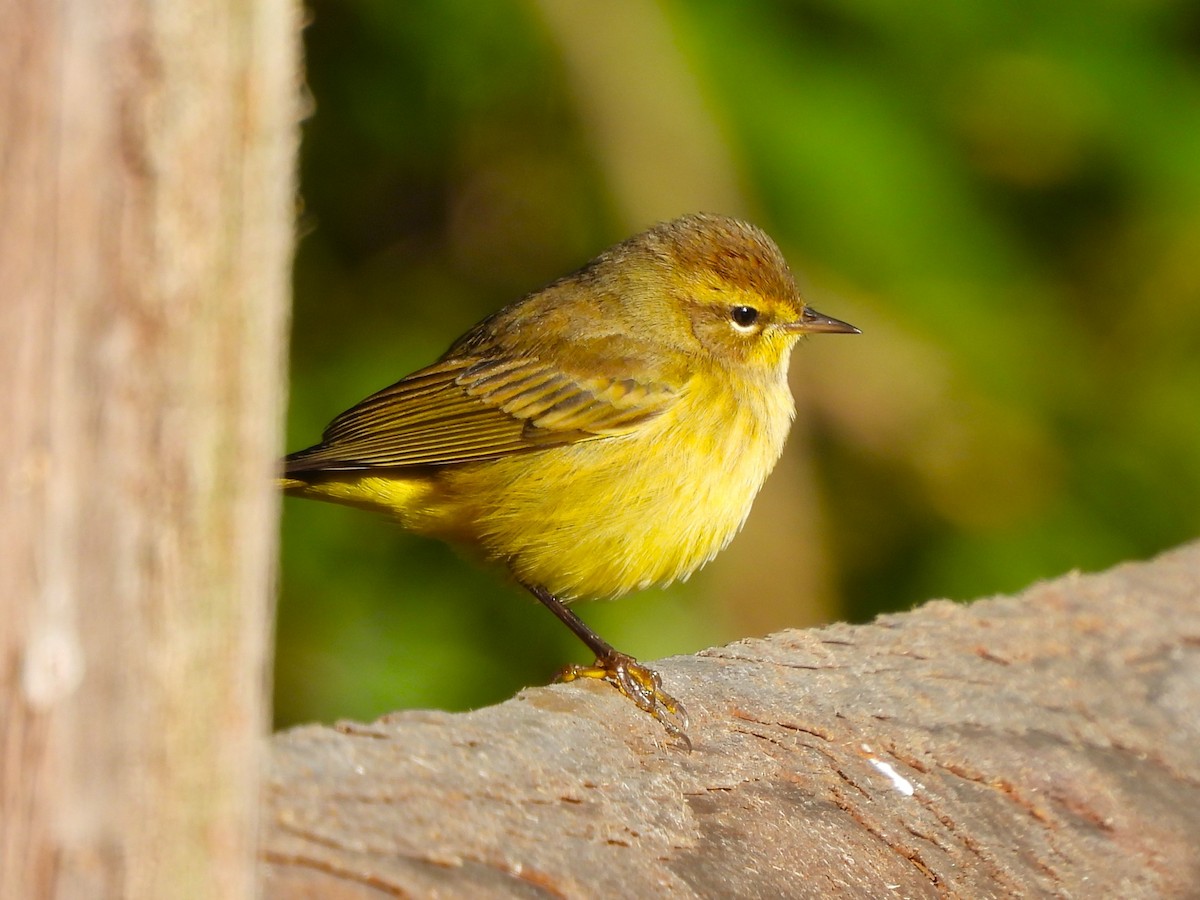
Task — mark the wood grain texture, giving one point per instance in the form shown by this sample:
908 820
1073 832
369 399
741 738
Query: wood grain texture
147 153
1046 744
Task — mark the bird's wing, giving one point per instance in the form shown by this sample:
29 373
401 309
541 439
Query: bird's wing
465 409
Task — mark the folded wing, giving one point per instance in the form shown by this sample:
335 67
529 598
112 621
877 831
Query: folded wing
467 409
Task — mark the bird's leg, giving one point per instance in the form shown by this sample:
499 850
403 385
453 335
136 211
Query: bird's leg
639 683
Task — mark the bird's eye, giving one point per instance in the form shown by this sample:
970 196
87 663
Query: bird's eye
743 317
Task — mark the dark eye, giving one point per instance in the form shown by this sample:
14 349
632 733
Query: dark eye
743 316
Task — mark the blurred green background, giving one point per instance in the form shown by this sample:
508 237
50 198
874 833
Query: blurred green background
1004 196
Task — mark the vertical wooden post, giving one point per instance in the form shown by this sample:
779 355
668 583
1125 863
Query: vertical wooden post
146 201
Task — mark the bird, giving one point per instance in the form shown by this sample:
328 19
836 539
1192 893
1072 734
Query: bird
602 435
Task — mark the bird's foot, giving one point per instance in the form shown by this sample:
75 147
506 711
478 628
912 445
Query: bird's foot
642 685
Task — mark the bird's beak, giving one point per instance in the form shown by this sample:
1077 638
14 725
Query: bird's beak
813 322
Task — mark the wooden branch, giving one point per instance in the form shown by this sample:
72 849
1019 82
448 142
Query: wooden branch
1044 744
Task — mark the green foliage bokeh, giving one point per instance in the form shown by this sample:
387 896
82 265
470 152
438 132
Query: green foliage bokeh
1004 196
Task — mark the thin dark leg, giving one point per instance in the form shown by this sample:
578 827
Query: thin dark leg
598 645
639 683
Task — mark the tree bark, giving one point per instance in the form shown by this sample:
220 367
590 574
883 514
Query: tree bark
1040 745
146 206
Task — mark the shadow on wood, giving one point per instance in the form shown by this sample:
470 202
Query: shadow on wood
1047 743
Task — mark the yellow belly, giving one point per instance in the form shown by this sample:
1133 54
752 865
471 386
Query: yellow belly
598 518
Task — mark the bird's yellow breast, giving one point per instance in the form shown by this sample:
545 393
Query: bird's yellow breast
603 518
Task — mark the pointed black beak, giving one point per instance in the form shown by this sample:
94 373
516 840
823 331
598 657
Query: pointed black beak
813 322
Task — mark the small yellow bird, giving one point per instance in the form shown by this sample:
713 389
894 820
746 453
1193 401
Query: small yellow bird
602 435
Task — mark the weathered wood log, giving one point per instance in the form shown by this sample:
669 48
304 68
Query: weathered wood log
1040 745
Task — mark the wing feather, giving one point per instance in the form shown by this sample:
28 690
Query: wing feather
466 409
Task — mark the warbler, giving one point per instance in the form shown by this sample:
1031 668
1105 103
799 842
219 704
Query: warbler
602 435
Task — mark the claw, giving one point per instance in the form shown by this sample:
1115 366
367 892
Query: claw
643 686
